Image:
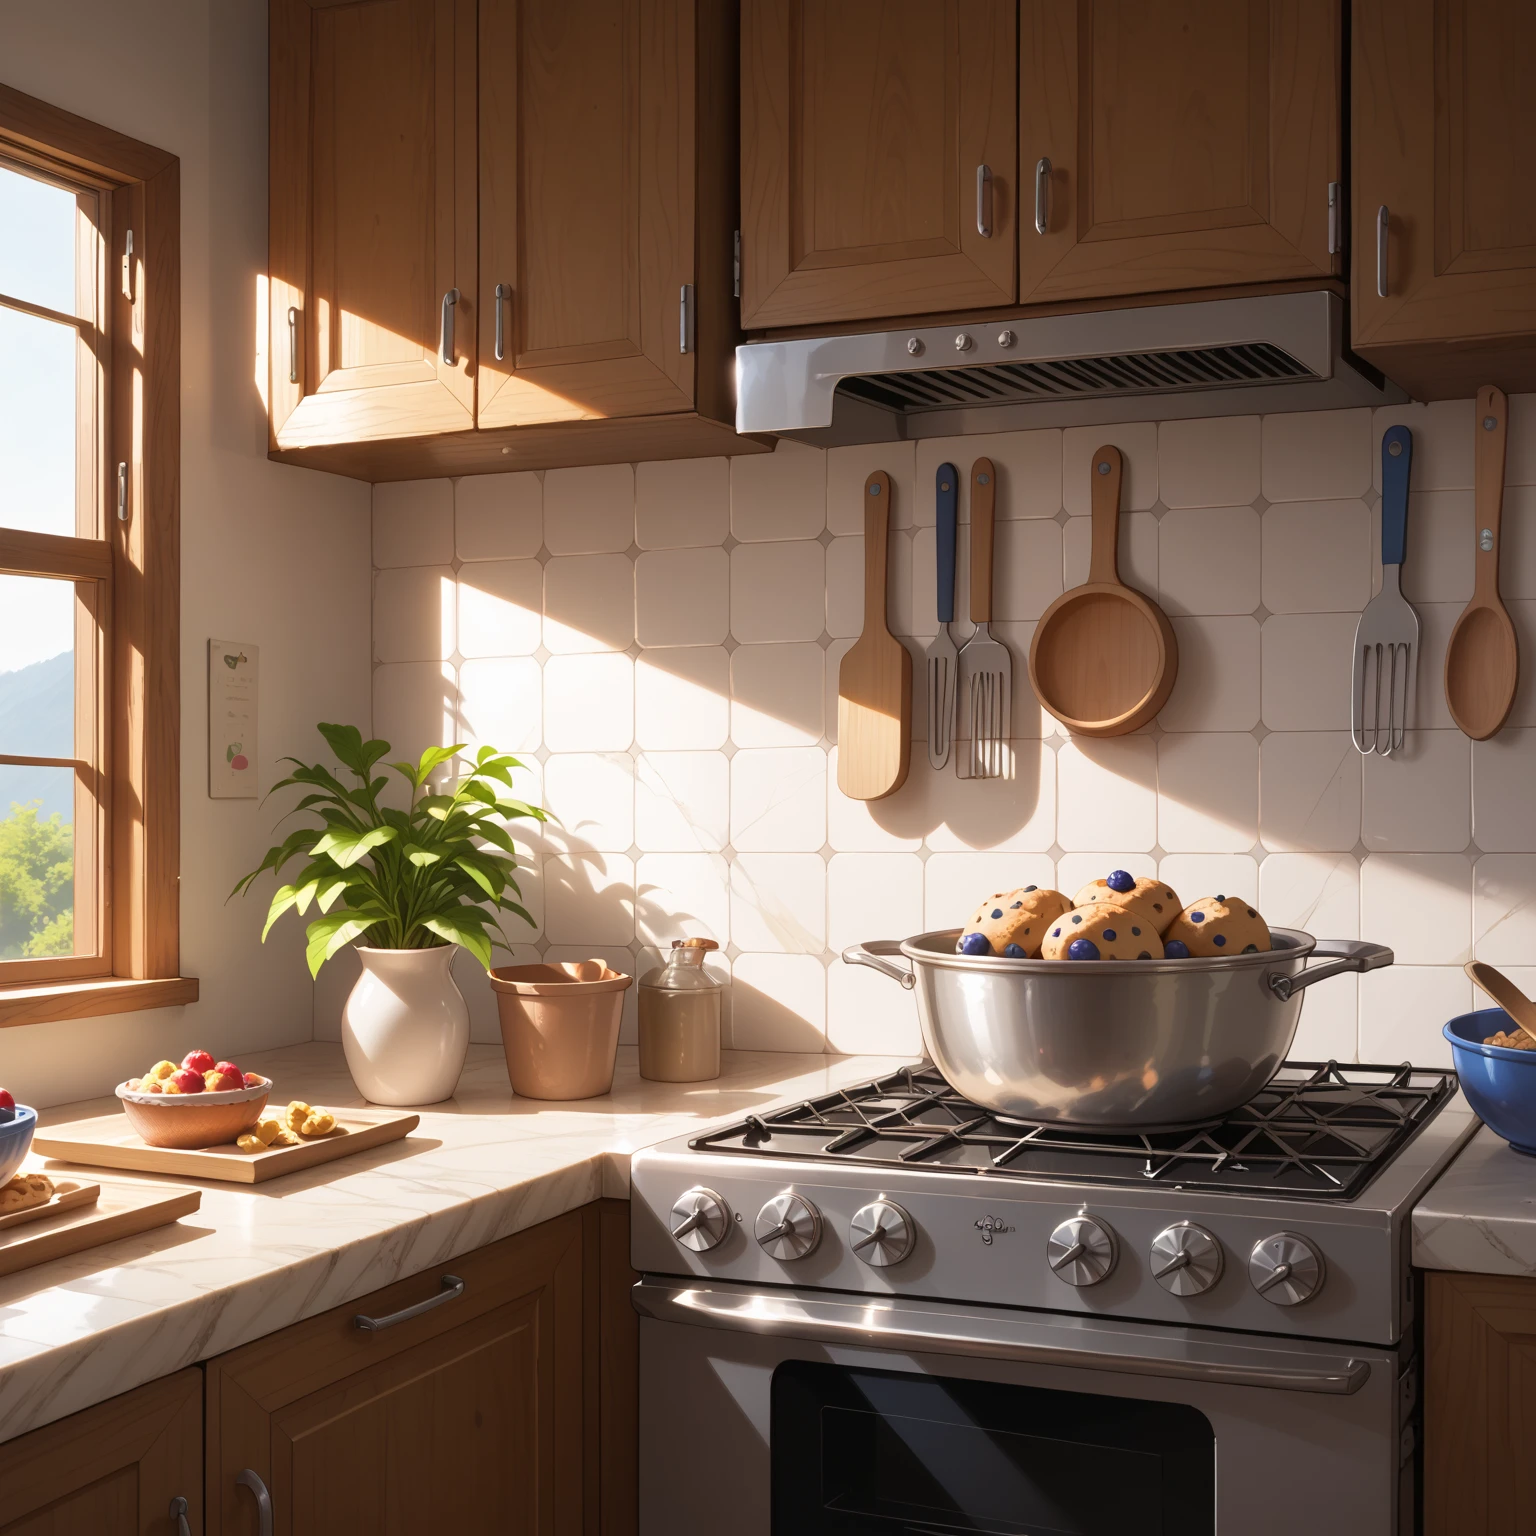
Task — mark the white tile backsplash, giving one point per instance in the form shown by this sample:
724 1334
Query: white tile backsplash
661 643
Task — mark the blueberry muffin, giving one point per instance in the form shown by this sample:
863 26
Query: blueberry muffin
1102 932
1013 923
1121 889
1217 925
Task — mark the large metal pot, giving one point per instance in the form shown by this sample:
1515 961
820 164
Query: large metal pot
1112 1043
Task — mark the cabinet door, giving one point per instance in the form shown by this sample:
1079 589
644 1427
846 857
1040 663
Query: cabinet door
1444 117
864 124
111 1470
1191 143
372 190
1479 1405
586 208
468 1417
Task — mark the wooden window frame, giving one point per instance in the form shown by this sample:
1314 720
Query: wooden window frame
135 570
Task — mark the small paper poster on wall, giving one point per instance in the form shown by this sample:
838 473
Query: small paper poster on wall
233 671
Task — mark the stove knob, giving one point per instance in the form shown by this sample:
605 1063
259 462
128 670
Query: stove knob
700 1219
1185 1259
1286 1269
788 1227
881 1233
1081 1251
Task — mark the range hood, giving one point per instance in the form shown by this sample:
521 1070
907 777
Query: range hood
1222 357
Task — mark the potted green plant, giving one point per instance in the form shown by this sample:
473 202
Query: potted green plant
407 886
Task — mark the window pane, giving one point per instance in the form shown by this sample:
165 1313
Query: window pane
37 424
37 862
37 668
37 241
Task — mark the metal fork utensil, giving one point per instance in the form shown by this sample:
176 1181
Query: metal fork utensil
941 654
986 667
1387 638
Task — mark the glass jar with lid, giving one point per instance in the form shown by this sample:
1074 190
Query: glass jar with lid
680 1017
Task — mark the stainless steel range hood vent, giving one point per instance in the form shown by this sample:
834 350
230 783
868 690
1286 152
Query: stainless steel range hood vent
1224 357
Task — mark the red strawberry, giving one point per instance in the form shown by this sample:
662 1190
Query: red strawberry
197 1061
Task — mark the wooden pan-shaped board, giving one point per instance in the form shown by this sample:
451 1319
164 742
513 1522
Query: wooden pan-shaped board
1482 661
874 684
1104 657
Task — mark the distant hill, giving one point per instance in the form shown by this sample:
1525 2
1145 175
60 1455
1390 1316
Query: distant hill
37 715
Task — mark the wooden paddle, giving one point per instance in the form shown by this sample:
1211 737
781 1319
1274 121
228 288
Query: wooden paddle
874 683
1104 657
1505 993
1482 662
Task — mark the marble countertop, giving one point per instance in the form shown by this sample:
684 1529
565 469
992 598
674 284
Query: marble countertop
255 1258
1480 1215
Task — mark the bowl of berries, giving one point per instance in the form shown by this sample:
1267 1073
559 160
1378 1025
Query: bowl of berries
201 1103
17 1122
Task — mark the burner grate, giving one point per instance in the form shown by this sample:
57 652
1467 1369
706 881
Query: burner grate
1318 1129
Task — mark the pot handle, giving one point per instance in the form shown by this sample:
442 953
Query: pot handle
1341 955
869 954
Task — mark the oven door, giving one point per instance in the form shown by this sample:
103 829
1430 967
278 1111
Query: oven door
769 1412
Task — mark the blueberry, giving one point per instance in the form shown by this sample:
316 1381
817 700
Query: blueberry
1109 935
1076 918
1252 913
1016 906
1221 898
1120 880
1031 887
1219 939
1176 949
1197 917
1136 933
1013 952
1144 955
1056 933
997 912
1082 949
975 944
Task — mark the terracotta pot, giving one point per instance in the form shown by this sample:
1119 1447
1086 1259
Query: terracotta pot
191 1121
560 1027
405 1028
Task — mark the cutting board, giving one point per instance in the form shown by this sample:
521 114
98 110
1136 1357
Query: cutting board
874 683
86 1216
107 1141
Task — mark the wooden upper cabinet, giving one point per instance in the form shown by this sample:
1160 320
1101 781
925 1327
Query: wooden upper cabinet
1191 143
1444 116
373 217
587 208
864 126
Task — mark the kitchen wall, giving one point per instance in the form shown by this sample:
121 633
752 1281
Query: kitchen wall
661 644
272 556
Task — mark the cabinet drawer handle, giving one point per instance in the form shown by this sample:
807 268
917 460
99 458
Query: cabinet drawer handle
1383 225
452 1289
1042 195
250 1479
503 293
984 201
178 1514
450 299
293 345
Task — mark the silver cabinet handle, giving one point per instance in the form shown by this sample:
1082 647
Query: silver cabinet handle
1383 225
503 293
1042 195
685 319
452 1289
122 491
293 345
942 1328
450 299
250 1479
178 1514
1335 217
984 201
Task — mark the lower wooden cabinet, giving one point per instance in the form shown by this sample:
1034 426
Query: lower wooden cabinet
1479 1406
112 1470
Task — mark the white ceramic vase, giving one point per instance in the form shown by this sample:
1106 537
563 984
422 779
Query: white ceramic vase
405 1028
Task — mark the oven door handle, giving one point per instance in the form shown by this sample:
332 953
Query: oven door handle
931 1328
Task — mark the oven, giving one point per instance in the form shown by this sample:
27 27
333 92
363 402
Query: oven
769 1411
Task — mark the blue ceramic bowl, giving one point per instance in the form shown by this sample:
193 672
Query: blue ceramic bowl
1500 1084
16 1127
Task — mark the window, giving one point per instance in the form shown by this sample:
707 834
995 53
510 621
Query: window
89 581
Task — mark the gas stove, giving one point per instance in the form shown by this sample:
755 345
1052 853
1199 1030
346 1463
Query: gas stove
1287 1216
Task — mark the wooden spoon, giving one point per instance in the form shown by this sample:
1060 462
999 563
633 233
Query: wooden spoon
1505 993
1104 657
1482 662
874 684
